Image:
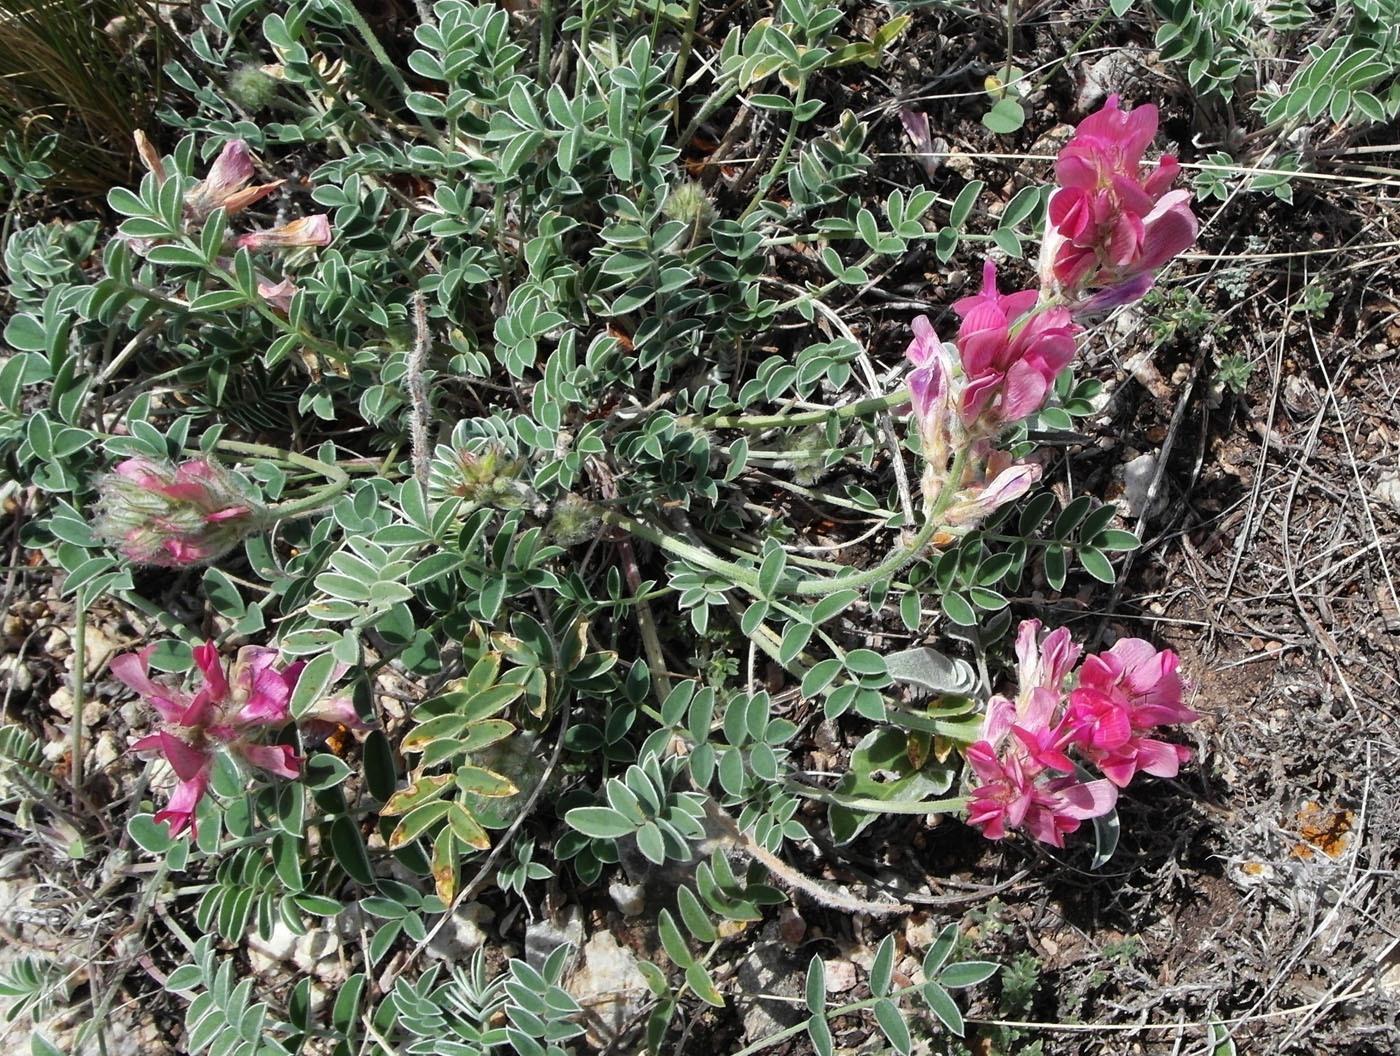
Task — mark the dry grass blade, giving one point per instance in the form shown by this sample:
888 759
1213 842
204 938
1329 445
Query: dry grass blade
87 71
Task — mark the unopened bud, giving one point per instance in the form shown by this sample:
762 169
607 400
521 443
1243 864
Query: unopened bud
485 478
689 204
575 521
252 88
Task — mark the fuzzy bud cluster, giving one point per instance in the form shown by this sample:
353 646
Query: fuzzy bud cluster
178 516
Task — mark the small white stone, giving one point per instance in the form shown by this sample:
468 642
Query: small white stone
840 975
1137 478
610 986
630 898
1388 488
105 750
267 954
462 933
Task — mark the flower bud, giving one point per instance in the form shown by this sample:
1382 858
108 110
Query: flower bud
485 478
252 87
158 513
689 204
575 521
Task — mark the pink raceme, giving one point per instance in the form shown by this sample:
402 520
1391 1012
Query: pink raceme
1026 774
1014 793
1114 220
230 712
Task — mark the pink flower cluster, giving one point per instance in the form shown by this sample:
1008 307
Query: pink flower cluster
1118 699
159 513
226 714
1113 221
227 187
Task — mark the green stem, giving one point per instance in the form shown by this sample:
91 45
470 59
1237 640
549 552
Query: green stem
831 1013
742 577
818 586
951 805
766 184
1073 48
687 44
351 12
161 616
871 405
716 99
546 42
318 499
902 556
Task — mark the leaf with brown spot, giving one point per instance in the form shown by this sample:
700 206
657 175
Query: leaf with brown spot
423 790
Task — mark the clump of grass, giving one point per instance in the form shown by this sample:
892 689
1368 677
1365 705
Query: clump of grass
87 72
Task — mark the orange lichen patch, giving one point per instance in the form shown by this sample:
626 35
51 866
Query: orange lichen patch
1252 868
1320 830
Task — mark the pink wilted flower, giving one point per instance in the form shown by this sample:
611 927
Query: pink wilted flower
159 513
227 713
1113 221
929 392
226 186
1123 695
278 295
1002 481
314 230
1010 360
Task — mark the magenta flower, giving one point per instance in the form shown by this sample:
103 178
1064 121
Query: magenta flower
314 230
1113 221
225 714
1010 361
1123 695
1011 795
159 513
1044 663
